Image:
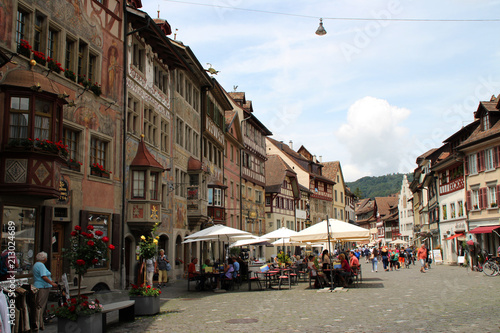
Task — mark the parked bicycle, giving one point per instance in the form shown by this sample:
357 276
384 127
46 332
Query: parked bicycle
491 266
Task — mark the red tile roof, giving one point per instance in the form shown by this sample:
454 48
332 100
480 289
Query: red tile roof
143 158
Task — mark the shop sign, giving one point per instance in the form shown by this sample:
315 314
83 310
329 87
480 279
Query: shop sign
63 191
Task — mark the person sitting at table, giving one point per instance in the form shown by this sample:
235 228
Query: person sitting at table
236 267
205 265
325 260
192 273
345 270
353 260
318 276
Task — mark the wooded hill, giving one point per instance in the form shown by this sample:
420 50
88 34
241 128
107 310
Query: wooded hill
381 186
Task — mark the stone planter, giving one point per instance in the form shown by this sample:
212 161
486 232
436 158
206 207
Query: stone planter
87 324
146 305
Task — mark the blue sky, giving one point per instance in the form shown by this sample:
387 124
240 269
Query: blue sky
371 94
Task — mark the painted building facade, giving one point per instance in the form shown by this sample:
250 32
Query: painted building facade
62 85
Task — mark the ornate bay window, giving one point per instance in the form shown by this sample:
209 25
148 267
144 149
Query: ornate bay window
144 205
32 151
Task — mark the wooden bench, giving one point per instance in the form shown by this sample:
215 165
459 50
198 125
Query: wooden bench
125 308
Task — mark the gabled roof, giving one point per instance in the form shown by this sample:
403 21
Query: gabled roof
143 158
276 171
479 135
384 205
301 161
332 169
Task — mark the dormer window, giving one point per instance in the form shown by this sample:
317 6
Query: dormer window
486 121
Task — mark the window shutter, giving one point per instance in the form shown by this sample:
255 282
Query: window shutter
466 165
480 161
468 203
480 198
483 198
115 240
498 195
497 157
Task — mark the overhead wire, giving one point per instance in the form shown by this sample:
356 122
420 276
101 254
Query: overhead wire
336 18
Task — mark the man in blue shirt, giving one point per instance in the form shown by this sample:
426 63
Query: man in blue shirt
236 266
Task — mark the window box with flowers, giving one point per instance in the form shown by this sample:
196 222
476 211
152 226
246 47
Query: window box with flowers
70 74
147 299
96 89
98 170
83 81
46 146
39 57
54 65
74 165
24 48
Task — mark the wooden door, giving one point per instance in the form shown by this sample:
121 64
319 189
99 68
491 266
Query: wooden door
56 263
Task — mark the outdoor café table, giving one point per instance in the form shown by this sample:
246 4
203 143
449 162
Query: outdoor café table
267 278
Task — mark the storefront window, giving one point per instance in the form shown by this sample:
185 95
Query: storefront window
101 222
18 234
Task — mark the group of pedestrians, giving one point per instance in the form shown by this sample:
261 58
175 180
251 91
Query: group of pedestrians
394 258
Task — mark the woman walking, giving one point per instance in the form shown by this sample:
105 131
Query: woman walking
385 257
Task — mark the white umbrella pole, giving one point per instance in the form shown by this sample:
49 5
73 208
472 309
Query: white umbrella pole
329 251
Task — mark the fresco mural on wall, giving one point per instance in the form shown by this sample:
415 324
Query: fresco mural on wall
181 213
6 19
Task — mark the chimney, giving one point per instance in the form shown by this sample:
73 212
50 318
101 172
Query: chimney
291 144
320 159
315 160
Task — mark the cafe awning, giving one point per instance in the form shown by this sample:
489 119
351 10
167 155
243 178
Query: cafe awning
454 236
484 230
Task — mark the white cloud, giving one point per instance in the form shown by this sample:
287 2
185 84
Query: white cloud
374 136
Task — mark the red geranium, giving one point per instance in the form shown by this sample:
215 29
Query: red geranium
80 262
90 227
111 247
74 233
95 261
91 243
98 233
77 227
105 239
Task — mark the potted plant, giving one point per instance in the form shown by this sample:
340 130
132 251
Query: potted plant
283 258
78 313
39 57
24 48
97 169
54 65
147 299
87 248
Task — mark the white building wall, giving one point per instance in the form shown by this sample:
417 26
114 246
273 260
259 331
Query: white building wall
405 211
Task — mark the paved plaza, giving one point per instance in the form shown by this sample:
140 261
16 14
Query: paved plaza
445 299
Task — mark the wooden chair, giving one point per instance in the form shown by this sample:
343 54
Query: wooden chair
285 276
255 279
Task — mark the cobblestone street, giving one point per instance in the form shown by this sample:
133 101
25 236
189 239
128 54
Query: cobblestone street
445 299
